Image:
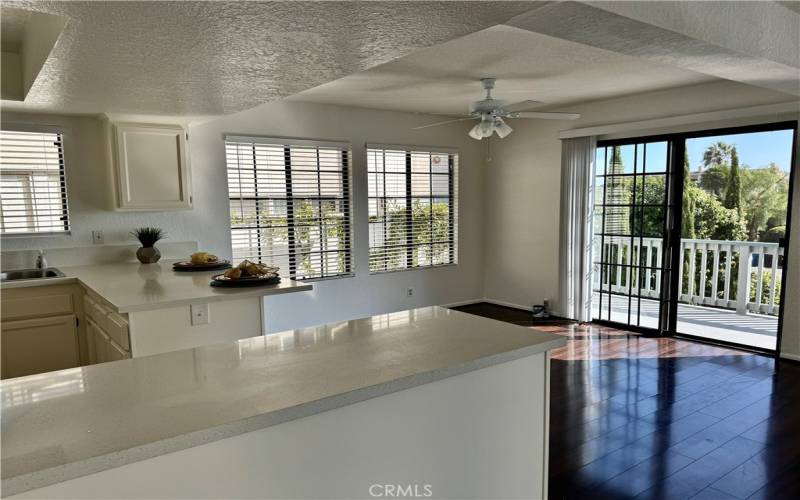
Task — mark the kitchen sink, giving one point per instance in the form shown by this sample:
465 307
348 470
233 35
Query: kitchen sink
31 274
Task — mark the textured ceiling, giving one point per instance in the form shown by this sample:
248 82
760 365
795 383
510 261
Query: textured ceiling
206 58
444 78
755 43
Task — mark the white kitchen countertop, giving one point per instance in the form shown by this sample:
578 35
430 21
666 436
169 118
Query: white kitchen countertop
132 287
70 423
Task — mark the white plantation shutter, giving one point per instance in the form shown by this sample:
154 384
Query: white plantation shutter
290 205
412 207
33 191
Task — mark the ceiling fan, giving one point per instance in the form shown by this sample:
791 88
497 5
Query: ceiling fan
491 112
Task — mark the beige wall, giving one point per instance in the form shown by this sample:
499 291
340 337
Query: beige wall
523 182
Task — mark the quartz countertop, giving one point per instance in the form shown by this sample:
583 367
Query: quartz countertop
132 287
70 423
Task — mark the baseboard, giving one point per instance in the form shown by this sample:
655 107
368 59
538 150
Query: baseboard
793 357
463 303
507 304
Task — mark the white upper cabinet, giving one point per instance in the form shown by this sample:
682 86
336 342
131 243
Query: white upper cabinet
152 167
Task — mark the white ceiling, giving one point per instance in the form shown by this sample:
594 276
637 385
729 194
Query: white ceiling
528 65
12 24
206 58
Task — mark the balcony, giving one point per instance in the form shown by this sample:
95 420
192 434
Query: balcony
719 298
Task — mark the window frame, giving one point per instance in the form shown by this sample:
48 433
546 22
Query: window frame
452 175
35 128
346 151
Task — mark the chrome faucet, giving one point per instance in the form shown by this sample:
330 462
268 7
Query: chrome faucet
41 261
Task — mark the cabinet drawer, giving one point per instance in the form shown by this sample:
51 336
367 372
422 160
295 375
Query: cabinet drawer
118 330
43 305
116 353
96 311
99 343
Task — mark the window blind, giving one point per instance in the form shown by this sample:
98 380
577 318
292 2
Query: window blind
290 205
33 190
412 207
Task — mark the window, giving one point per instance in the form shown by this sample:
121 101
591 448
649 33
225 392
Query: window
412 207
33 190
290 205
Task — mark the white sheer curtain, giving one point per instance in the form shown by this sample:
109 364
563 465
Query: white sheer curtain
577 207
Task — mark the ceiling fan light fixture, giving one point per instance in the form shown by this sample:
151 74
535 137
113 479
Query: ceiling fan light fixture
486 127
502 128
475 132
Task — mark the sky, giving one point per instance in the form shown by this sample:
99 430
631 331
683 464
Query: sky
755 149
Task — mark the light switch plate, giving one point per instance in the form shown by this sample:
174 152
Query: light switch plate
200 314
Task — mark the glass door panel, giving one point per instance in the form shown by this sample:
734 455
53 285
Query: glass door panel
733 226
629 228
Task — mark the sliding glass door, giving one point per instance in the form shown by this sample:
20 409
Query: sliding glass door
632 182
714 206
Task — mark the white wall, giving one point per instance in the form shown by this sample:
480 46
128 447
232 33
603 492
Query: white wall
523 182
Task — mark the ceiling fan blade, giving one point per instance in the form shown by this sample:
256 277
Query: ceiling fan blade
544 115
442 123
521 106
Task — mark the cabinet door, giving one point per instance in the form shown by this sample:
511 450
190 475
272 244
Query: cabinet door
152 167
39 345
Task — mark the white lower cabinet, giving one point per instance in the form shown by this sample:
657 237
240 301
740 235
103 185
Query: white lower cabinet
39 330
39 345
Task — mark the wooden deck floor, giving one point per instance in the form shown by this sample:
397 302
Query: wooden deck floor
635 417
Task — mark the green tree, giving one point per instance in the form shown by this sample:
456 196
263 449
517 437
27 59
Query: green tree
765 193
714 221
688 215
733 191
715 180
719 153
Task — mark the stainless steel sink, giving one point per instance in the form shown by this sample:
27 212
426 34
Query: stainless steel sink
31 274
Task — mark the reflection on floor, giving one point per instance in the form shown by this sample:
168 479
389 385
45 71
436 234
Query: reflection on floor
635 417
757 330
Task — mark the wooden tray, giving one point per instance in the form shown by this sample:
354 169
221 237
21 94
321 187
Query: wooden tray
189 266
220 280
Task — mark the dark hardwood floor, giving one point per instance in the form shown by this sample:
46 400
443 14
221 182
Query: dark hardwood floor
661 418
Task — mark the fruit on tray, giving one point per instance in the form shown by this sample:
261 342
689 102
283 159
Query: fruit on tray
203 258
248 269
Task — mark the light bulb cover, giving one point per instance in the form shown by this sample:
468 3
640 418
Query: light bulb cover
502 128
475 132
486 127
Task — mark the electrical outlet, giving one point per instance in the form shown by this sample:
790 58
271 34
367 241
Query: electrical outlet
410 292
97 237
200 315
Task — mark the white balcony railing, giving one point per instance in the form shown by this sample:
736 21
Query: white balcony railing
710 272
753 266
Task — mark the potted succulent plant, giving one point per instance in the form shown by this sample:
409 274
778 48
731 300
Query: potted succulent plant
148 236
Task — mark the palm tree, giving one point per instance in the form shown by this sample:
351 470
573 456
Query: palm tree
718 153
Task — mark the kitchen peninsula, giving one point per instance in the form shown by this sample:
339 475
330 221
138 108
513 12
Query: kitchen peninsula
98 313
429 397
